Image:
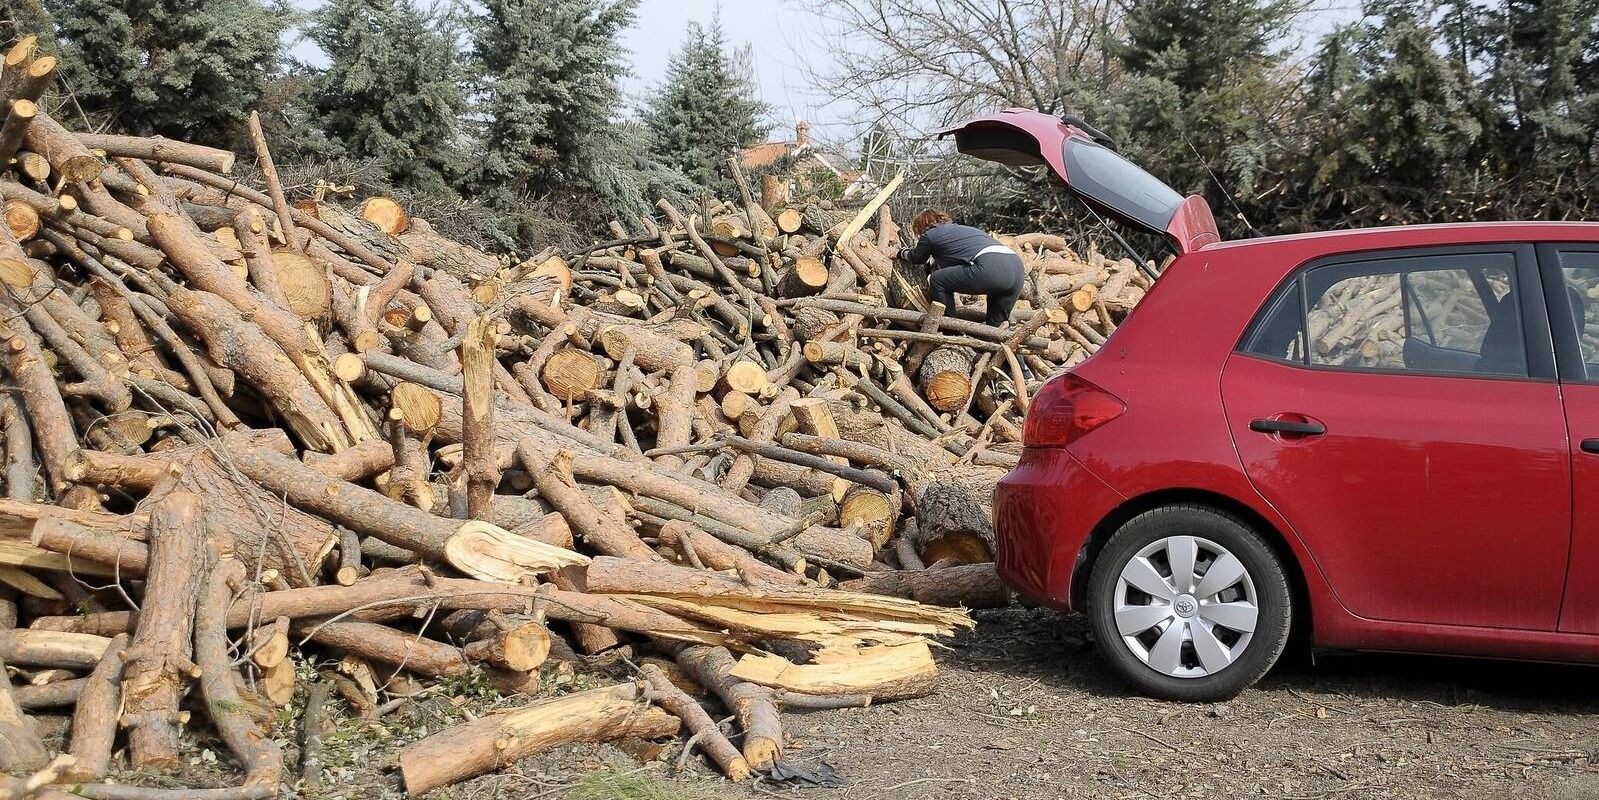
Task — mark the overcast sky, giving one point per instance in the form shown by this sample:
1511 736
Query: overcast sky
780 30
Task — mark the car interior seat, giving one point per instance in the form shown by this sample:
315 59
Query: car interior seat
1502 352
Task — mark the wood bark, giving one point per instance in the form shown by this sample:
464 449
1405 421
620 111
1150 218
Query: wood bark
252 747
600 530
477 417
499 740
699 723
966 586
21 749
952 523
159 658
750 703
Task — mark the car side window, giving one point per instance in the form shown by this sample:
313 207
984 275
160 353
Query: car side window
1581 273
1434 314
1280 332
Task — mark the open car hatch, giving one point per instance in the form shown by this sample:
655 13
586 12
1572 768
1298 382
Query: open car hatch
1087 162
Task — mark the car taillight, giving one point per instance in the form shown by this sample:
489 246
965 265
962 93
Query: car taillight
1066 408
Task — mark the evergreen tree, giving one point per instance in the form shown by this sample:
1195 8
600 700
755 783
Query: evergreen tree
1537 50
1203 94
392 90
1396 122
186 69
27 17
628 180
550 70
705 111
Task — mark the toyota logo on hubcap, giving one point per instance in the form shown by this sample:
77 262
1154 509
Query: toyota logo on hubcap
1185 605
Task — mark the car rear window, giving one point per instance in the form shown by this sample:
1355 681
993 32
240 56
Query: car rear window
1433 314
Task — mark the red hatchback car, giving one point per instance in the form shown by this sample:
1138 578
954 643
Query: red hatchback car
1388 439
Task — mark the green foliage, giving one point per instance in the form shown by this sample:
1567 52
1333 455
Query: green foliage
186 69
705 112
1393 117
628 179
392 91
1202 93
24 17
550 70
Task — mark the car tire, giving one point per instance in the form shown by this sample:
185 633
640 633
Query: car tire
1214 657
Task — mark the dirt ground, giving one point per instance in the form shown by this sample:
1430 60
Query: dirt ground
1025 710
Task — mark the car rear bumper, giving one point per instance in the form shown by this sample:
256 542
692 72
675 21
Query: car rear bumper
1044 510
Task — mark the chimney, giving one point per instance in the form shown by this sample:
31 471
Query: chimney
802 134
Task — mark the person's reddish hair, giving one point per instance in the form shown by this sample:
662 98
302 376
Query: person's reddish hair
927 219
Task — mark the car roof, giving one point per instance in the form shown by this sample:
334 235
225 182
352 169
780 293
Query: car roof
1354 239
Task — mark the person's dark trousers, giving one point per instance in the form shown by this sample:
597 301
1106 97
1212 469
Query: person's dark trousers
998 276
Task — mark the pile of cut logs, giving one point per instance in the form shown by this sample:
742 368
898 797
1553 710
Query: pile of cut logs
724 453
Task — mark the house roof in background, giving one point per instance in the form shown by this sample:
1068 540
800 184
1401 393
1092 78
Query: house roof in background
762 155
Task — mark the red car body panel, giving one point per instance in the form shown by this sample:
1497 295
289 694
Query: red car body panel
1193 226
1167 363
1415 498
1580 612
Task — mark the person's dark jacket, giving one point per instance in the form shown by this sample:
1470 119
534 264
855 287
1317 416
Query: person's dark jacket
949 245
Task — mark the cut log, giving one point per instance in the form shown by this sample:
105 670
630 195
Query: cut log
718 555
380 644
386 214
751 704
782 500
499 740
699 723
600 530
890 672
951 523
253 748
52 649
70 160
652 351
22 219
480 549
159 657
477 417
518 643
419 408
21 749
966 586
157 148
806 277
15 128
304 284
946 377
570 373
709 500
746 377
789 220
873 510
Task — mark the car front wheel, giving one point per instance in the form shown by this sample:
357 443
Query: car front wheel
1189 603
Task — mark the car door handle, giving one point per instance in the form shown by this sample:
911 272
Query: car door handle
1590 445
1287 426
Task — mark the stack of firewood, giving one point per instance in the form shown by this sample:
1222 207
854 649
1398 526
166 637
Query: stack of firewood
238 428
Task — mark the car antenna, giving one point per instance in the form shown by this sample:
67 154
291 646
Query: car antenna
1253 232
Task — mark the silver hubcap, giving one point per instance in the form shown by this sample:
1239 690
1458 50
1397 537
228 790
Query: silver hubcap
1185 606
